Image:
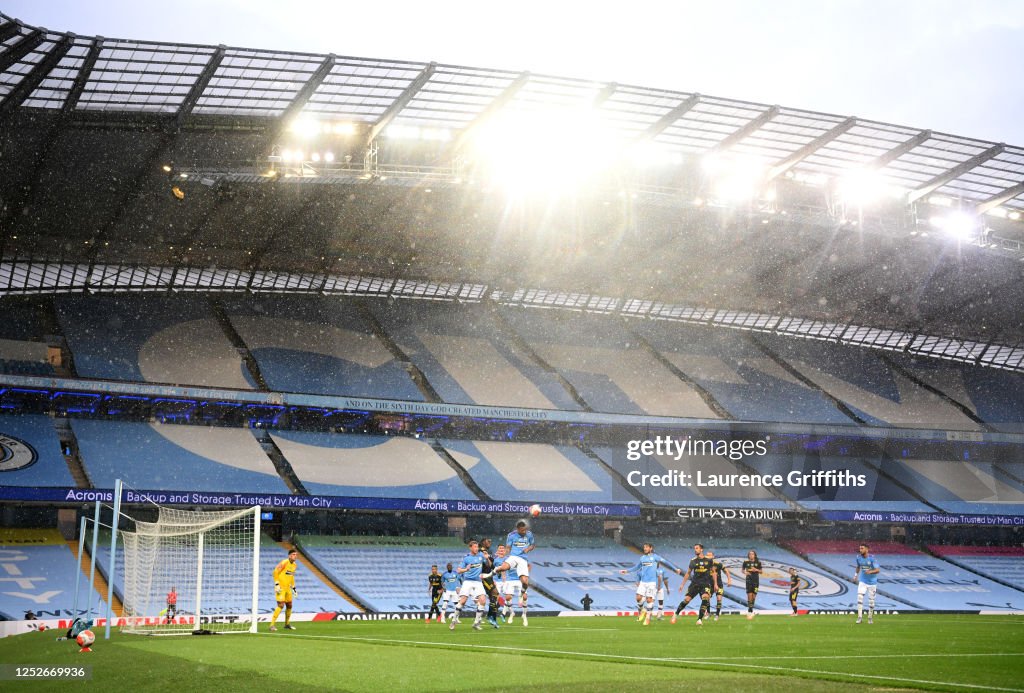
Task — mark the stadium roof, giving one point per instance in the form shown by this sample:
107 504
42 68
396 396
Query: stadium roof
89 121
51 70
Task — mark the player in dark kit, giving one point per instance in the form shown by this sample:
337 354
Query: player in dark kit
702 584
720 572
436 588
487 578
794 589
752 569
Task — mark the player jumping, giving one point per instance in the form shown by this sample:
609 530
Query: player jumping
866 578
520 543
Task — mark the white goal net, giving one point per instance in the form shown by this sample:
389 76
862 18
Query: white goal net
208 560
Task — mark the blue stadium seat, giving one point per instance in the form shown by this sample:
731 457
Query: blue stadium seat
165 339
319 346
466 357
45 577
175 457
333 464
535 472
33 453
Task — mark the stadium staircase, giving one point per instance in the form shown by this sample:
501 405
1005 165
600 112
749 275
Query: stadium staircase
909 375
518 342
612 472
464 476
807 382
69 442
100 582
281 464
708 398
217 308
314 570
824 568
417 376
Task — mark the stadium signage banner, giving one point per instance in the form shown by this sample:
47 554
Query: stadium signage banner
891 517
279 501
752 514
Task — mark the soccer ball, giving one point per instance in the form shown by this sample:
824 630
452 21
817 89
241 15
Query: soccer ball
534 510
86 638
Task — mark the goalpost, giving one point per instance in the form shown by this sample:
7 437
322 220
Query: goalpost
209 558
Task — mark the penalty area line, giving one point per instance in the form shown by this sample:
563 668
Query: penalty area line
635 658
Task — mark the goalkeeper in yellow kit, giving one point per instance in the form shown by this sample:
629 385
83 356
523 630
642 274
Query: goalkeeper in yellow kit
284 589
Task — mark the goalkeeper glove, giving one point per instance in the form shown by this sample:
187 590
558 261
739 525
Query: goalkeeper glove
277 586
295 592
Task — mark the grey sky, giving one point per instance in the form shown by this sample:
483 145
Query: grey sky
948 65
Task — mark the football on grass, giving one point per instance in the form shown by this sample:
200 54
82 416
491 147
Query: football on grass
86 638
534 510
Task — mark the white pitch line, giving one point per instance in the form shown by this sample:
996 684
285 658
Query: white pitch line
600 655
879 656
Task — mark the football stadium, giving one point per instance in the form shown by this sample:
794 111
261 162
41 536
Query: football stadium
281 332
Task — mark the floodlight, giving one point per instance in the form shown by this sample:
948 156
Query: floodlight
166 168
544 149
863 187
315 156
940 201
178 192
649 153
734 178
958 224
1014 215
329 157
304 126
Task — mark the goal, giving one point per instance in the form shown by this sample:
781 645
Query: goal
209 559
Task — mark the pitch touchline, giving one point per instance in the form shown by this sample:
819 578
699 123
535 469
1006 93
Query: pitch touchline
599 655
879 656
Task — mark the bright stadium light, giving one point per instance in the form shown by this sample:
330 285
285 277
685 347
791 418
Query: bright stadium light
734 178
545 149
304 126
958 224
863 187
649 154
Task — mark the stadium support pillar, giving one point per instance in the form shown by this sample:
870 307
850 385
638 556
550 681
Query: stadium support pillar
118 488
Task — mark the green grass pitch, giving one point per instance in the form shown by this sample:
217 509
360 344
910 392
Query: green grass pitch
807 653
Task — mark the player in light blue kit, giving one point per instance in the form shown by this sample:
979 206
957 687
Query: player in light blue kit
472 587
510 588
450 581
520 543
866 578
646 571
